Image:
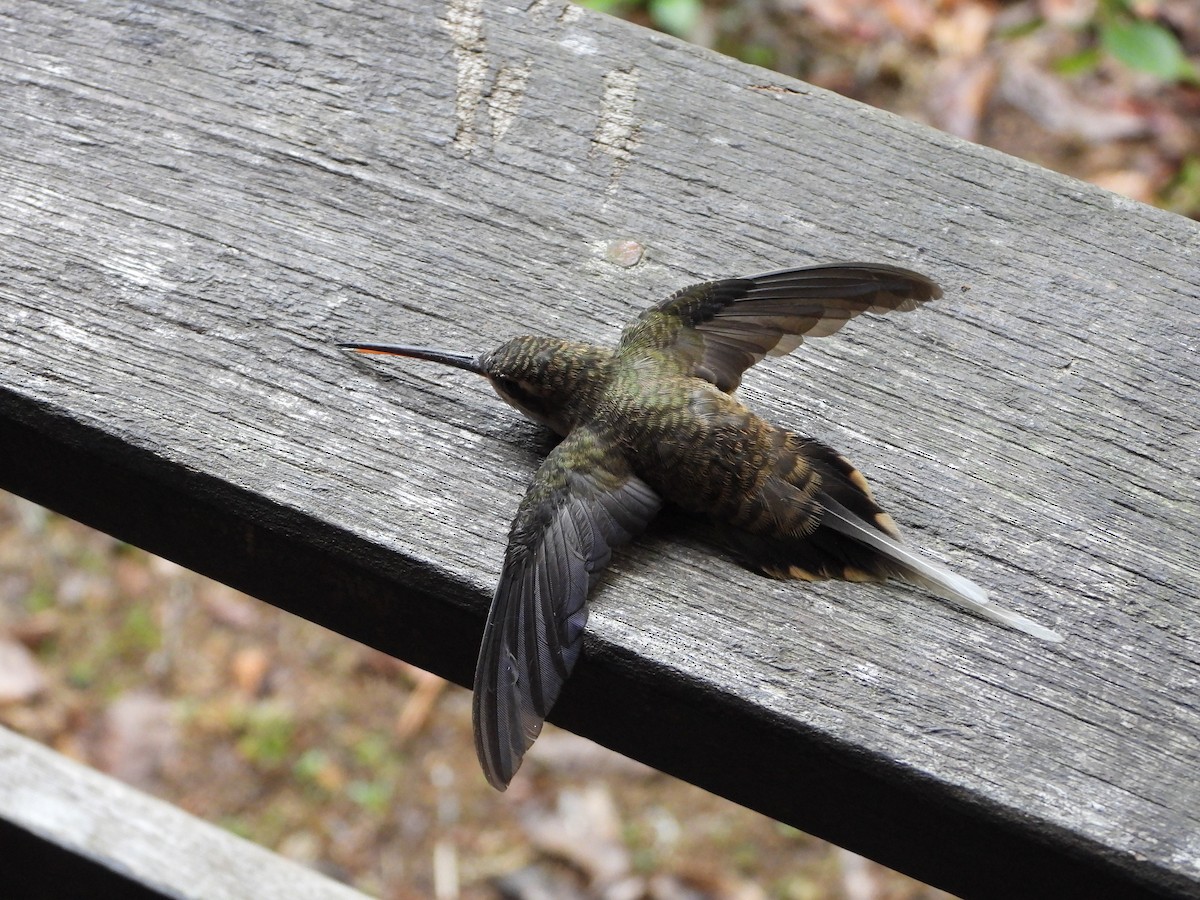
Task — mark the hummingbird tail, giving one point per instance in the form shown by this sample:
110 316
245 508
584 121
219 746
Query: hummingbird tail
827 525
941 581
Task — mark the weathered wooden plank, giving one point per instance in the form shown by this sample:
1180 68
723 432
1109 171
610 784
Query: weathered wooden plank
68 831
200 198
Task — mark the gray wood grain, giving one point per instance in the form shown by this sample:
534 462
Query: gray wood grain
201 198
135 845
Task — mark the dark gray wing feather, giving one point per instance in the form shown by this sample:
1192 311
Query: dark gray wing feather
582 503
721 328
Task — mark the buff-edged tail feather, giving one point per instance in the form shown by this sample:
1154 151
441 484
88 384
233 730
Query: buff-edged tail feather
941 581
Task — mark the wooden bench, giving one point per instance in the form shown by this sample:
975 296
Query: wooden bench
68 831
197 204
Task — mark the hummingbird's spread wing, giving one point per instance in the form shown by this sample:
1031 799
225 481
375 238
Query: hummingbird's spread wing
583 502
724 327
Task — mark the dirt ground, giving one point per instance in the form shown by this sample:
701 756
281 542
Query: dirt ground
362 766
339 756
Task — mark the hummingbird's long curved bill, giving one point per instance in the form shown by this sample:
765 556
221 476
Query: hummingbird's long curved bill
448 357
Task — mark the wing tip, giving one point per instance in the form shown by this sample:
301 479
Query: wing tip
498 774
496 779
915 287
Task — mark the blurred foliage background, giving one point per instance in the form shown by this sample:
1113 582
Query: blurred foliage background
1104 90
362 766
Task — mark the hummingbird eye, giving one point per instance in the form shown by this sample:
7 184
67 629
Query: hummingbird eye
509 386
519 388
510 391
535 400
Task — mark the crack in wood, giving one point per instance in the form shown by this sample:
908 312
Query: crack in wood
504 99
464 22
617 131
501 98
776 89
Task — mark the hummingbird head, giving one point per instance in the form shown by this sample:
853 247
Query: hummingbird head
544 378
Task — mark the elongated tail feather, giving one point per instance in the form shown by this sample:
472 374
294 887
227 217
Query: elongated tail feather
946 584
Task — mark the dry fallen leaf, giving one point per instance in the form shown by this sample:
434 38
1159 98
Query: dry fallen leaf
21 676
585 831
138 737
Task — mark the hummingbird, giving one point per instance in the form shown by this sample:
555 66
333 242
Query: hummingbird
656 421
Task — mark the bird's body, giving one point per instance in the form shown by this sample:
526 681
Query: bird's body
655 421
699 448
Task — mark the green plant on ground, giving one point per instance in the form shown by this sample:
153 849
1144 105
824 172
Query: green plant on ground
1134 41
